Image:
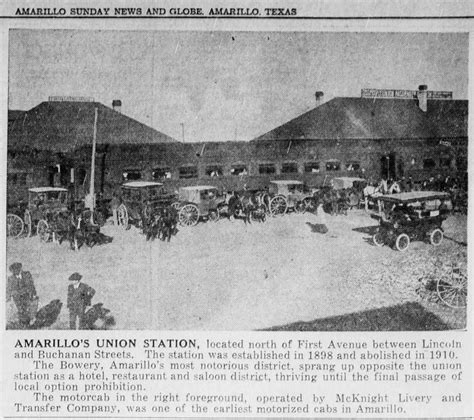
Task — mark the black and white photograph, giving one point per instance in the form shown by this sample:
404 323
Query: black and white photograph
232 180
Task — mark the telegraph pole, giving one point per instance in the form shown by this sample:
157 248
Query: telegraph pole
91 203
182 127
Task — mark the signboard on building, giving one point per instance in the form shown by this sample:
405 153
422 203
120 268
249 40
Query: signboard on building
403 94
70 99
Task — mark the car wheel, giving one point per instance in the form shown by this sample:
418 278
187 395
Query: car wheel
402 243
377 239
436 237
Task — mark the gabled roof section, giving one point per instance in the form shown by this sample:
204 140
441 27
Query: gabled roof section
13 114
66 126
365 118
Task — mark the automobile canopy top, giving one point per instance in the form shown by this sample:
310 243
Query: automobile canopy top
286 182
414 196
46 189
346 182
198 188
141 184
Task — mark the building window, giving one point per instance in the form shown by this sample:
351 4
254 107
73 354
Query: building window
160 174
429 164
131 175
18 178
333 165
187 172
12 179
266 168
461 163
239 170
353 166
214 170
289 168
445 162
312 167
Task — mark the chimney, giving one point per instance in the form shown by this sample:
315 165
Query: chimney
319 97
117 105
423 97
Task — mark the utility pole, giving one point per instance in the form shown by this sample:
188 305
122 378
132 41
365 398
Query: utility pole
182 127
91 203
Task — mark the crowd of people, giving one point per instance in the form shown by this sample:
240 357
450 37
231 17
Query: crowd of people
456 187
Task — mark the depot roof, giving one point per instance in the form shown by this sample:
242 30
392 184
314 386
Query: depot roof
65 126
368 118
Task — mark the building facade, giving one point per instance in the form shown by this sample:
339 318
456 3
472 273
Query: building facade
416 134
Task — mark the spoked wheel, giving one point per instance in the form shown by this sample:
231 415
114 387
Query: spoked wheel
122 216
28 224
278 206
214 215
14 226
42 230
176 205
452 290
403 242
188 215
436 237
377 239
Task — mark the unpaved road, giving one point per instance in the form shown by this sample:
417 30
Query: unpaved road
229 276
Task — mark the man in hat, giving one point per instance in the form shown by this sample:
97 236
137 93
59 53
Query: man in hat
79 296
21 288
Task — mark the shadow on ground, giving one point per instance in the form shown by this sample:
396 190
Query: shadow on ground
455 240
410 316
369 230
318 227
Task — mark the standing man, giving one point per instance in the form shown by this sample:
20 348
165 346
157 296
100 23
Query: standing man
114 205
79 297
21 288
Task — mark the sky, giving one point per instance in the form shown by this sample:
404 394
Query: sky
223 86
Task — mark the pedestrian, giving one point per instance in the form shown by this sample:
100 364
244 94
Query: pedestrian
21 288
114 205
79 297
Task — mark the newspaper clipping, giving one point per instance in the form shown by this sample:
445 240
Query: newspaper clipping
235 209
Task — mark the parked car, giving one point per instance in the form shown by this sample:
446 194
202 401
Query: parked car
354 186
288 195
42 203
409 216
196 202
141 198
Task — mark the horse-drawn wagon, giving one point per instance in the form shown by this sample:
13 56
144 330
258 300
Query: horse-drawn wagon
141 199
43 203
288 195
409 216
354 188
196 202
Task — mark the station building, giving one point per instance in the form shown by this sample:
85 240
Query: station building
381 134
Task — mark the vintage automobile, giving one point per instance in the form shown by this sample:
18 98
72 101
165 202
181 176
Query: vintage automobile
287 195
141 198
42 203
354 186
196 202
416 215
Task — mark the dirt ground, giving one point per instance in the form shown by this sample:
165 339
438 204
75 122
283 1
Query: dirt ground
231 276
